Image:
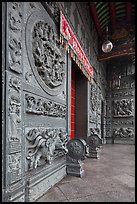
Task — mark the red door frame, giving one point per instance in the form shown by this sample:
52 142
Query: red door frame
73 103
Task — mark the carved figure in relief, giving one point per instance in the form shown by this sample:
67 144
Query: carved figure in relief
48 58
123 133
30 102
14 115
14 83
14 22
14 162
39 106
123 107
15 53
45 144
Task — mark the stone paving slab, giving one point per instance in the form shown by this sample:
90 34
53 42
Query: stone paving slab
111 178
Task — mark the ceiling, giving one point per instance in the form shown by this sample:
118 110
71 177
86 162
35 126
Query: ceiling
119 17
111 13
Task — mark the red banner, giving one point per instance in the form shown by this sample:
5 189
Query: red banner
74 47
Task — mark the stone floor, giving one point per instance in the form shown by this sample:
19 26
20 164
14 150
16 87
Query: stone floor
110 178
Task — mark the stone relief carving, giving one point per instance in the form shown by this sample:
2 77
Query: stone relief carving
14 167
67 6
127 82
47 56
92 118
15 37
127 122
54 9
123 133
116 79
14 113
94 131
93 97
44 107
119 94
46 145
123 108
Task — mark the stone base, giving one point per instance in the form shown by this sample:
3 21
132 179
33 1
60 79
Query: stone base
93 153
109 140
75 169
41 181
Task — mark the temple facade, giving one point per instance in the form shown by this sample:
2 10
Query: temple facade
58 86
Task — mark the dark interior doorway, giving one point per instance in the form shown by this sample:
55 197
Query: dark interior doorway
78 103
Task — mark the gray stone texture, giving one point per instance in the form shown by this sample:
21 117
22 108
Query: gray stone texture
35 99
111 178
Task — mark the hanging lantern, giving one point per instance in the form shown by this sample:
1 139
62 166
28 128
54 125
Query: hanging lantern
107 45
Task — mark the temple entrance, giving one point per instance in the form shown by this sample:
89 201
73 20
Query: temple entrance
78 103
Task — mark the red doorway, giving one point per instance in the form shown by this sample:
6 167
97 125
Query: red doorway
73 103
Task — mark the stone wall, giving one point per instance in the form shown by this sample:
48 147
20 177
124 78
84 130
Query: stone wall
80 20
36 94
121 102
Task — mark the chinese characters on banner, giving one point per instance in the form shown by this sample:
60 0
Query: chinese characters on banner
73 47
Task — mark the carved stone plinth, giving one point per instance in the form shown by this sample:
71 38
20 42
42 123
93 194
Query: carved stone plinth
93 153
76 153
74 167
94 144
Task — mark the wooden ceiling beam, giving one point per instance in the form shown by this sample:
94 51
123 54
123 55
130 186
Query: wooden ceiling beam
128 11
112 13
95 18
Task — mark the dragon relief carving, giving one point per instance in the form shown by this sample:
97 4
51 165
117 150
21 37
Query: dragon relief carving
123 108
46 145
123 133
48 59
44 107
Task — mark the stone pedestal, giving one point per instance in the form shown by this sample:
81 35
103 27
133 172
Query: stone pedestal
93 153
75 167
76 153
94 144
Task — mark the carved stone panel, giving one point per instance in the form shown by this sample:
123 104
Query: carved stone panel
14 114
93 97
14 161
15 19
44 145
36 105
123 108
46 57
123 133
14 128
